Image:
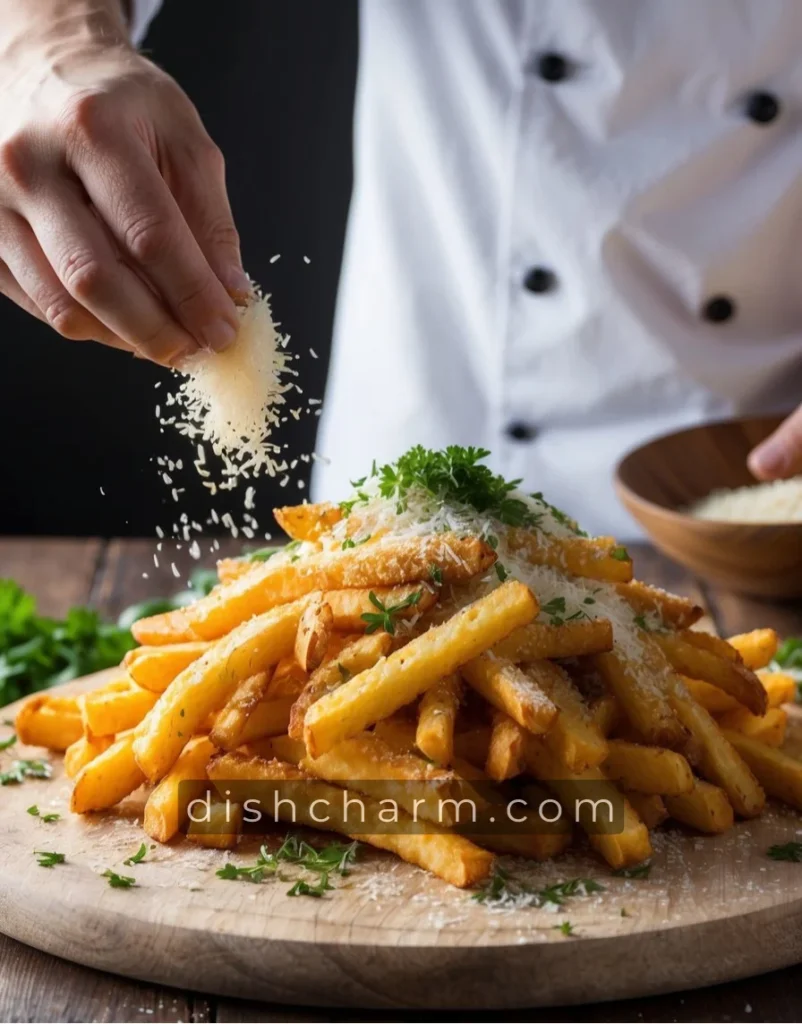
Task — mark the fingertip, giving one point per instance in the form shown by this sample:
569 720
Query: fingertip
769 461
236 282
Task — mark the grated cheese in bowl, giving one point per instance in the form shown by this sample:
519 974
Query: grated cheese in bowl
776 502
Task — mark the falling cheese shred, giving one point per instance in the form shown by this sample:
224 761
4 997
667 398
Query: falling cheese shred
232 400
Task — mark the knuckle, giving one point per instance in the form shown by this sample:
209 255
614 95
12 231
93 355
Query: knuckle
82 275
147 238
221 233
16 160
210 154
66 316
85 117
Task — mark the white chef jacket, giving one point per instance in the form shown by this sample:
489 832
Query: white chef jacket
575 224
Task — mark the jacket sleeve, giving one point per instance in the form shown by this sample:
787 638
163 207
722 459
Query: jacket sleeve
142 13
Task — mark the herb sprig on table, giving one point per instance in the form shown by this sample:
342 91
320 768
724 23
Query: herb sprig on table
333 858
502 888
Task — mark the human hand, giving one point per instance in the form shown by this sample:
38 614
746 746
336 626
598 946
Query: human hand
114 219
780 455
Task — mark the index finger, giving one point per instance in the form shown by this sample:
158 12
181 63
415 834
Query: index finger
133 199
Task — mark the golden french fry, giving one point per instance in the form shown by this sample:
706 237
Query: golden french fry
641 694
398 679
450 857
780 687
229 569
539 641
387 563
230 722
511 690
505 754
314 633
778 773
667 609
308 522
709 642
577 556
756 648
650 770
288 679
82 751
115 708
368 765
284 748
472 745
650 808
166 807
605 713
706 808
710 696
398 732
348 606
154 668
731 676
207 684
268 718
717 759
436 716
573 736
362 653
48 721
537 840
768 728
620 849
108 778
220 827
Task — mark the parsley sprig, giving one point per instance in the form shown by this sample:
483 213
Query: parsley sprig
334 858
501 887
48 858
638 871
786 851
33 810
118 881
137 857
22 770
385 617
8 742
556 611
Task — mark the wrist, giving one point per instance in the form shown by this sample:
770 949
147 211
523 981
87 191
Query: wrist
54 30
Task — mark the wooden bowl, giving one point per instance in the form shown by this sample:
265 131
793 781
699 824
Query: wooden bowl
659 479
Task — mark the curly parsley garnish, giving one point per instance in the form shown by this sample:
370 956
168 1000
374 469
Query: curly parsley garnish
334 858
47 858
786 851
385 617
501 887
21 770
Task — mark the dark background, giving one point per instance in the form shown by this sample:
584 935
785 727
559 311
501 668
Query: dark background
274 83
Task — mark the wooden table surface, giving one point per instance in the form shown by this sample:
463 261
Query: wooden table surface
37 987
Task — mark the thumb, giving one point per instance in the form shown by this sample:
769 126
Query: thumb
780 455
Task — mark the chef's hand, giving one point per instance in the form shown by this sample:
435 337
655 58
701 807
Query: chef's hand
114 219
780 455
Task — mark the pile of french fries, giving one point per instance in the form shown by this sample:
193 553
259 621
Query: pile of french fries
287 673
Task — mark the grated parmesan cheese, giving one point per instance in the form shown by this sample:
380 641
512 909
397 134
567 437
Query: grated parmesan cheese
776 502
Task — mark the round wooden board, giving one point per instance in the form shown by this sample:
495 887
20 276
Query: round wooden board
712 910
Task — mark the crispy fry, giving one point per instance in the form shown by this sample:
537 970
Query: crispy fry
362 653
709 696
436 716
605 713
348 606
268 718
621 849
651 809
207 683
451 857
166 807
398 732
387 563
717 759
709 642
473 745
395 681
706 808
308 522
677 612
115 708
48 721
367 764
154 668
571 640
780 774
108 778
505 754
285 748
220 827
512 691
84 750
780 687
768 728
573 736
640 695
288 679
756 648
230 722
314 633
651 770
731 676
577 556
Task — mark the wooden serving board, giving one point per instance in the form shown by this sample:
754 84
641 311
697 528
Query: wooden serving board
712 910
